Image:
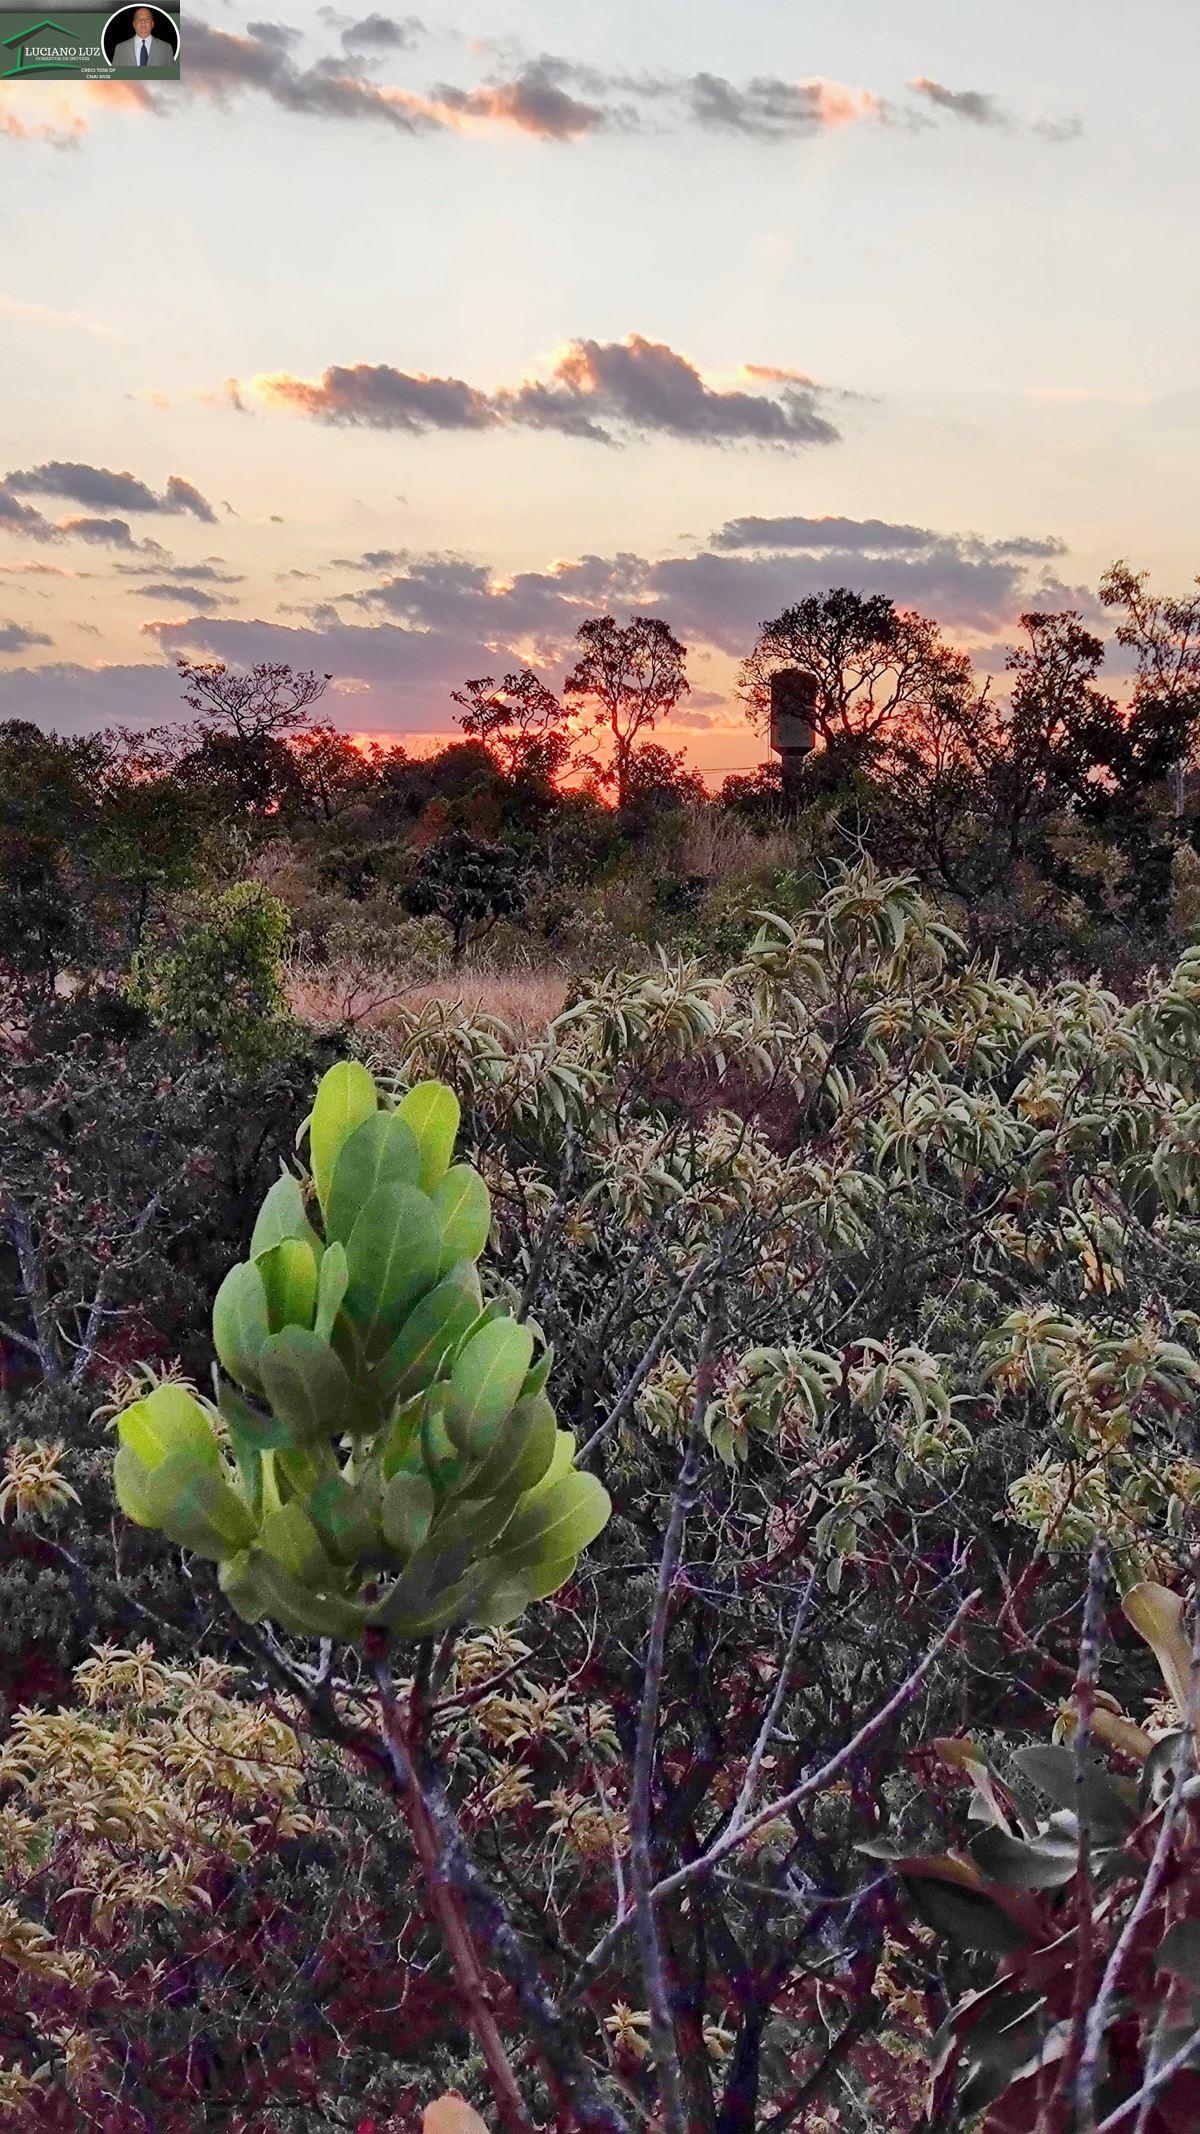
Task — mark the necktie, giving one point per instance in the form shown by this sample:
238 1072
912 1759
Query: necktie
144 54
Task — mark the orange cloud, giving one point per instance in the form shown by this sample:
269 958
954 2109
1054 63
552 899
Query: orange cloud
836 104
61 112
774 374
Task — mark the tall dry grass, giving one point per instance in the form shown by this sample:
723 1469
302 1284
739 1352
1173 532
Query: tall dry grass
723 847
323 997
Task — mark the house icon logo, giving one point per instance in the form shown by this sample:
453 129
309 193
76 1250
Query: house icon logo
47 48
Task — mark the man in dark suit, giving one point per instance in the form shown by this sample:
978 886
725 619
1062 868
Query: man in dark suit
144 49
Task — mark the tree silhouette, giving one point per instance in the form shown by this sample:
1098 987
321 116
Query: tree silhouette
331 773
976 778
267 700
245 720
626 680
1164 634
875 665
519 719
1061 732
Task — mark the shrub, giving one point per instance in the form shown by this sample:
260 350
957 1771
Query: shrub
222 982
870 1272
468 883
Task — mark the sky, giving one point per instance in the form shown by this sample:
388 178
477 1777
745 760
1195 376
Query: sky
395 345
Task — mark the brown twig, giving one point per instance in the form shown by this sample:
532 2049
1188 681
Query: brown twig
460 1946
663 2042
816 1782
1058 2110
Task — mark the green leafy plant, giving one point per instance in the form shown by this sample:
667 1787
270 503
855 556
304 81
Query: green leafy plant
468 883
381 1454
223 981
1090 1915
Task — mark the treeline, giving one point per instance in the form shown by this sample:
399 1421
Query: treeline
1042 800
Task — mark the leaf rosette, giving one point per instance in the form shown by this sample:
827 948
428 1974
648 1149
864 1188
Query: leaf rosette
381 1452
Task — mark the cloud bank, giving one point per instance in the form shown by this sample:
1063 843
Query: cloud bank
978 108
107 495
100 489
606 391
14 637
544 96
404 629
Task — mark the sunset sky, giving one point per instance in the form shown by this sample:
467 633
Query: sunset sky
395 345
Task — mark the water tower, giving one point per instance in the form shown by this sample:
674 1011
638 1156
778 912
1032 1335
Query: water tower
793 723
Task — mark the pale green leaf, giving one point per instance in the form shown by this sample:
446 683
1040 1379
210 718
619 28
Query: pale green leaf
347 1095
381 1152
464 1210
432 1110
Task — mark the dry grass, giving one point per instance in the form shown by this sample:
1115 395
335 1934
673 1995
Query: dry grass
526 1000
722 847
324 998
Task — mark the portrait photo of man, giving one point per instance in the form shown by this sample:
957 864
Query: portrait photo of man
148 44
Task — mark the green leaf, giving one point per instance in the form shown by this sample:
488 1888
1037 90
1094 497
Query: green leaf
394 1253
522 1453
288 1534
1110 1813
302 1467
347 1095
562 1462
437 1448
402 1436
485 1314
558 1523
501 1597
1045 1862
474 1521
449 1605
246 1425
504 1593
203 1513
289 1278
381 1152
433 1578
537 1375
433 1113
134 1488
428 1334
250 1434
331 1290
485 1382
237 1582
346 1515
463 1207
168 1421
281 1215
240 1324
271 1590
307 1386
409 1502
548 1577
